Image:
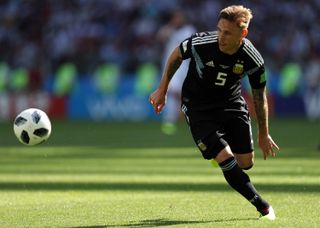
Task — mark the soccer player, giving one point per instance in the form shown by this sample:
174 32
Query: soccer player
171 35
215 111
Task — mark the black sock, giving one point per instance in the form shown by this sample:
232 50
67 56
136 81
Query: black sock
240 181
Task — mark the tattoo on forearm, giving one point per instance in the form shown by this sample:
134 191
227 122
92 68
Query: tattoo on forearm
261 106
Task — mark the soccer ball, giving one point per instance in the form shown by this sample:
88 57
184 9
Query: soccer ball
32 126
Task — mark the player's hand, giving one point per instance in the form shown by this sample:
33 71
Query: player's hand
158 99
268 146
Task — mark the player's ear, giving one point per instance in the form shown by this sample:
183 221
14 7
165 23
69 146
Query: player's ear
244 32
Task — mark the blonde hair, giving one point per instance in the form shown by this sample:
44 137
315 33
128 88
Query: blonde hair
238 14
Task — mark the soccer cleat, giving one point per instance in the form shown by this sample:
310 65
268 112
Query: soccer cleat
268 214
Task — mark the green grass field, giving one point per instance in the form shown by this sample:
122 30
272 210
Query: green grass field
130 175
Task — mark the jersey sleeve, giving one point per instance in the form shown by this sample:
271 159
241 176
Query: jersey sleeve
257 78
256 71
185 48
186 45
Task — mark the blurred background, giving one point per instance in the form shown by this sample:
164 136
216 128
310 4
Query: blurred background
100 59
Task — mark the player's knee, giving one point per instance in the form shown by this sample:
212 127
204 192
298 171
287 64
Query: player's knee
246 161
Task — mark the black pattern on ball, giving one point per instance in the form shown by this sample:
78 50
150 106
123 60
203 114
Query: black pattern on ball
20 121
36 117
25 137
41 132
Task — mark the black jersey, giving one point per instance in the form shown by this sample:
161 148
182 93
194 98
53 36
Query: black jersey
214 78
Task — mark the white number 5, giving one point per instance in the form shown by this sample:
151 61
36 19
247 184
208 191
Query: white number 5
221 79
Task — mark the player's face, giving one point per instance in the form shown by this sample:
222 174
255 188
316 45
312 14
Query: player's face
230 36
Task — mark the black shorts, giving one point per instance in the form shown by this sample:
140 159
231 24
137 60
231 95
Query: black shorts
213 130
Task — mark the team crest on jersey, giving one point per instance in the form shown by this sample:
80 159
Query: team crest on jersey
238 67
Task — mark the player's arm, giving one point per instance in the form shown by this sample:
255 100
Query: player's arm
261 108
158 97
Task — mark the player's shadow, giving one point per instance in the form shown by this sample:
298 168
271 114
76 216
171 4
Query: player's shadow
165 222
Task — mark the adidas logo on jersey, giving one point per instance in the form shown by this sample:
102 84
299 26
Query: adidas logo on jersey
210 64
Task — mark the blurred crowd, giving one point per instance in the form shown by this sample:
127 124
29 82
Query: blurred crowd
40 35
